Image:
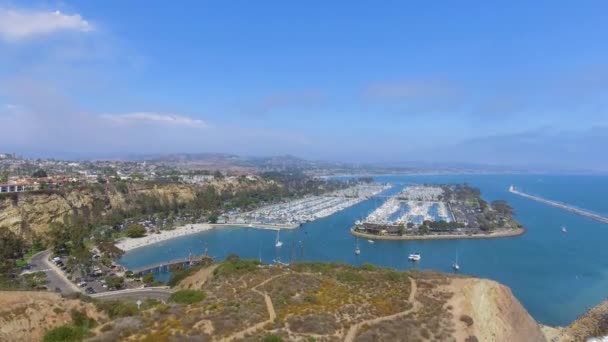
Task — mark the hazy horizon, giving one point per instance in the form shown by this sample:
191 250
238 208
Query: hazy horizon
519 84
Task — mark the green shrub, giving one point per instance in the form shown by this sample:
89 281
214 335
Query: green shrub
116 309
187 296
272 338
80 319
135 231
65 333
234 264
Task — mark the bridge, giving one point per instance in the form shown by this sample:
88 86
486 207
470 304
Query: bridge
159 293
562 206
171 264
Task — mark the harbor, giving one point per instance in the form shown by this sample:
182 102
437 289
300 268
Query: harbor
543 245
566 207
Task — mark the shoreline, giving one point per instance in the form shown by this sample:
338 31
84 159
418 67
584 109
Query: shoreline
128 244
505 234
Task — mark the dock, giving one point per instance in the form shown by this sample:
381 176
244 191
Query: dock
562 206
171 264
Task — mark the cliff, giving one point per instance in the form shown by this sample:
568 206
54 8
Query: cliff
30 213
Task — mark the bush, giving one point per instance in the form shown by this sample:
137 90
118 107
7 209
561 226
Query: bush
65 333
272 338
234 264
116 309
467 320
80 319
187 296
135 231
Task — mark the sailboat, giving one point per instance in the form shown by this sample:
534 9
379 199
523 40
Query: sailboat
279 243
455 265
357 250
564 230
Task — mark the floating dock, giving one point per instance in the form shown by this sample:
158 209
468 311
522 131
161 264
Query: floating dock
562 206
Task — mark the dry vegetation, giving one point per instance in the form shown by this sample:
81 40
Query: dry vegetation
242 300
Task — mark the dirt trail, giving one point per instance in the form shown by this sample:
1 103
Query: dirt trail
352 331
269 307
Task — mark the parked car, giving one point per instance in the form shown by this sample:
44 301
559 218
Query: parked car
82 284
90 290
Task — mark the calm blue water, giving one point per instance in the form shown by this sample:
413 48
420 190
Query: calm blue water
556 276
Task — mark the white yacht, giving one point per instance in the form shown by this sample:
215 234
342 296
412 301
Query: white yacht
415 257
455 265
279 243
357 249
370 241
564 230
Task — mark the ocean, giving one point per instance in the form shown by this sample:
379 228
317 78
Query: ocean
556 276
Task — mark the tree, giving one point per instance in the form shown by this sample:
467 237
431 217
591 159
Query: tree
3 177
109 249
213 218
116 282
503 208
148 278
40 173
135 231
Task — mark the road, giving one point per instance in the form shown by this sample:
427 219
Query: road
56 278
160 293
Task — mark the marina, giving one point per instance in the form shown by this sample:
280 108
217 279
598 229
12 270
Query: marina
296 212
414 204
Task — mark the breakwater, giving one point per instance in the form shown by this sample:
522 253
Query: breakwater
562 206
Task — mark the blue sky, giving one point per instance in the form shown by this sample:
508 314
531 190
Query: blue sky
511 83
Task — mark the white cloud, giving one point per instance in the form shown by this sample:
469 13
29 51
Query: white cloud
157 118
18 24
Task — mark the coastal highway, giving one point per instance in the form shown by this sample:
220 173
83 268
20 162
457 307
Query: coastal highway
565 207
56 278
159 293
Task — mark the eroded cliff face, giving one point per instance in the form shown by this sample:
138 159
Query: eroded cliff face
31 213
494 314
25 316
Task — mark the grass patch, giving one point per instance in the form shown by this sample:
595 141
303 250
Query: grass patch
187 296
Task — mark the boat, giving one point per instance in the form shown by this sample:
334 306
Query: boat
357 250
279 243
564 230
455 265
370 241
415 257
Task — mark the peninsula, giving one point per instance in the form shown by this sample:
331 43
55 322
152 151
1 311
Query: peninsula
423 212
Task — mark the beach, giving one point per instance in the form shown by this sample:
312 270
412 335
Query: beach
128 244
500 234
